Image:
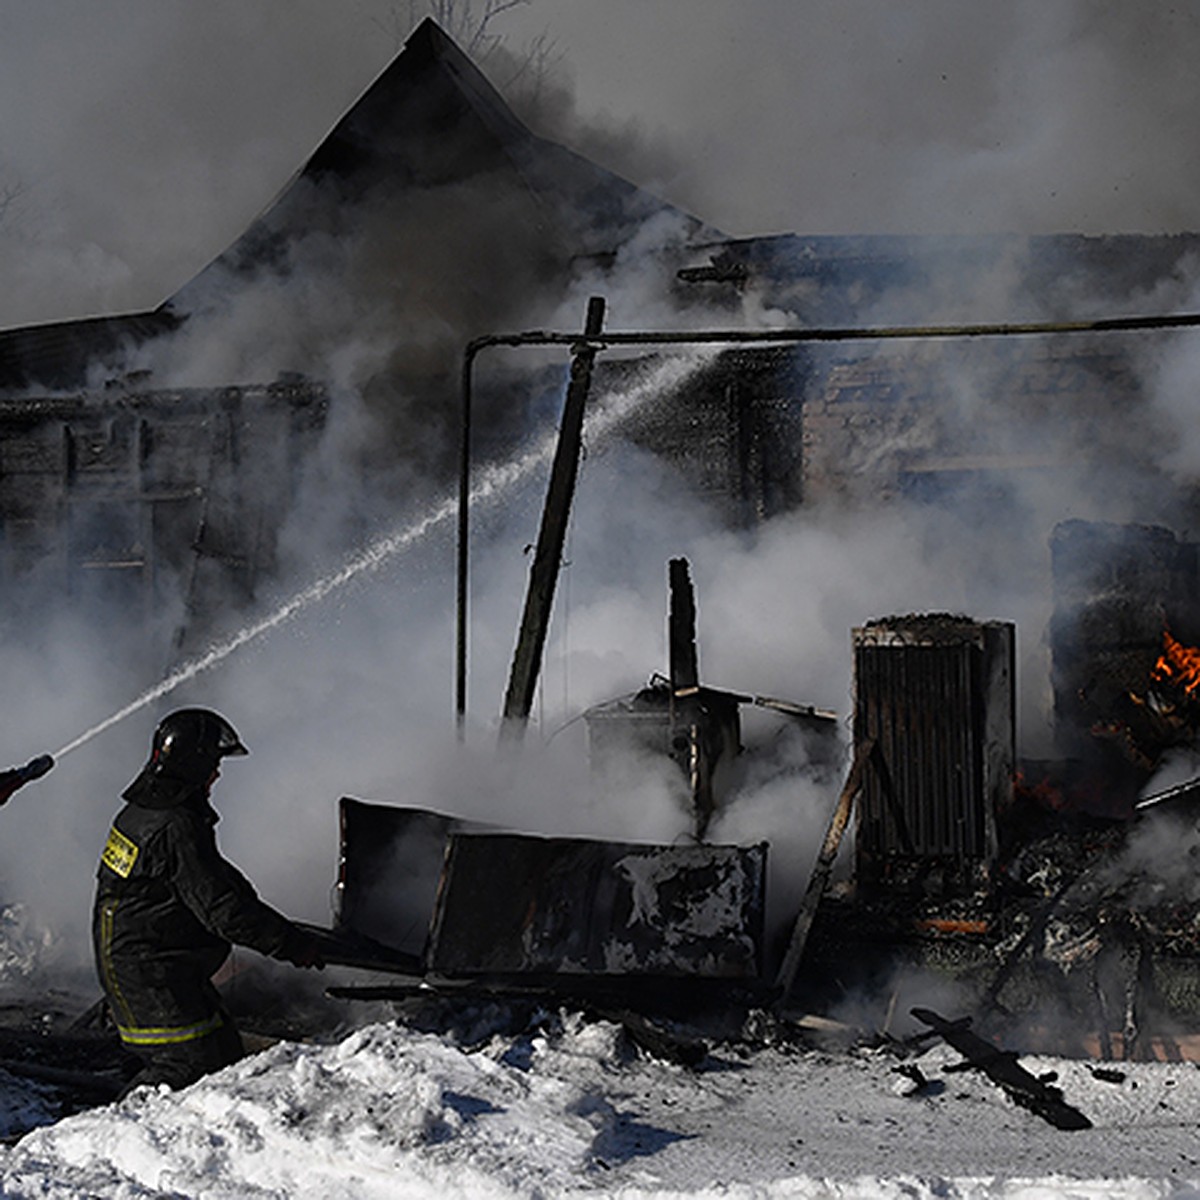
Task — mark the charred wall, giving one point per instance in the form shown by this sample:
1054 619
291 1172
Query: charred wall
924 420
731 434
763 430
128 499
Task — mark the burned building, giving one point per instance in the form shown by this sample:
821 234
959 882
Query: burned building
428 215
136 447
431 215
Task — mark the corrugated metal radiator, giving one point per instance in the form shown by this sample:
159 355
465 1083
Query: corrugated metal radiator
936 695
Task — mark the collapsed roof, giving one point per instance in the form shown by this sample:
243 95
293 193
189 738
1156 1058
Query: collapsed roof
430 126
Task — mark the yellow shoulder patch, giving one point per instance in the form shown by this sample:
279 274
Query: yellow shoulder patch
119 853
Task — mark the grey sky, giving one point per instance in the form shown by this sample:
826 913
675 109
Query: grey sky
146 133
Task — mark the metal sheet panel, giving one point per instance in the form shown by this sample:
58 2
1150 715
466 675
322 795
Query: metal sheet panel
515 904
390 861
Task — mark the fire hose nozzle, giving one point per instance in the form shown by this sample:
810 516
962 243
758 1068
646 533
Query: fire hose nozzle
18 777
35 768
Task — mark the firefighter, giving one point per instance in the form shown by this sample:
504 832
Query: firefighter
168 907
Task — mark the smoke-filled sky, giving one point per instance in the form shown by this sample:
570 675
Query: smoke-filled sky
140 137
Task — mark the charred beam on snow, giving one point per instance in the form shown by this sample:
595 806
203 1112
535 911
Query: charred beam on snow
1002 1068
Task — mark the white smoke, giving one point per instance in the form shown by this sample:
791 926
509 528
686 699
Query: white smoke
145 141
933 117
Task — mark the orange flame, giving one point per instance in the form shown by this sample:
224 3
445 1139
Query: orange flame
1178 664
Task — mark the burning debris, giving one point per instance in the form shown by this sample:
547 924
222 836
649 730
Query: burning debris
1054 917
958 868
1125 606
478 905
1171 706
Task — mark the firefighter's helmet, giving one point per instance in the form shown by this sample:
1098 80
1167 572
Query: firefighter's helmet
190 742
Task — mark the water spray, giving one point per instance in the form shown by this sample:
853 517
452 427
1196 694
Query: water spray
494 483
373 556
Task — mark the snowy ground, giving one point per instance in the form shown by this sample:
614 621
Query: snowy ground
573 1109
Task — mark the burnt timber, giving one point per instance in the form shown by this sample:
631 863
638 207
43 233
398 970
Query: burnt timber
1038 1095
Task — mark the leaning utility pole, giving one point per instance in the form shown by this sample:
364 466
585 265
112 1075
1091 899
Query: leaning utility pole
543 575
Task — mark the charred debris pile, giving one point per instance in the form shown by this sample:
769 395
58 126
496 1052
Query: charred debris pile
1059 895
1057 904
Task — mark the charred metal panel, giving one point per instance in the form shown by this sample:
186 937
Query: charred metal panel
513 904
389 863
936 694
699 730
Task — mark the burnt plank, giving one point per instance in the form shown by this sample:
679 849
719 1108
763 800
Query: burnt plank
1003 1069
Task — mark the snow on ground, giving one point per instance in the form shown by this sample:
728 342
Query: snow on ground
572 1110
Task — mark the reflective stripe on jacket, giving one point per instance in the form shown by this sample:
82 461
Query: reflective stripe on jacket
168 907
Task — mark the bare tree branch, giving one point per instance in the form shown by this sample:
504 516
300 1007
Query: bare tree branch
465 21
10 194
533 68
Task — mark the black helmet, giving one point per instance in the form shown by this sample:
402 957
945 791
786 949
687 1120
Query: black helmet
190 742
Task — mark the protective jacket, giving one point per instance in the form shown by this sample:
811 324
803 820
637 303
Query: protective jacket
168 906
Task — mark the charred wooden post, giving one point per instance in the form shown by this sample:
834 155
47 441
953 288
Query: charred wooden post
681 621
690 743
543 577
704 729
697 727
785 978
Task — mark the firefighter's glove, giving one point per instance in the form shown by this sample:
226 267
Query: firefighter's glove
303 949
